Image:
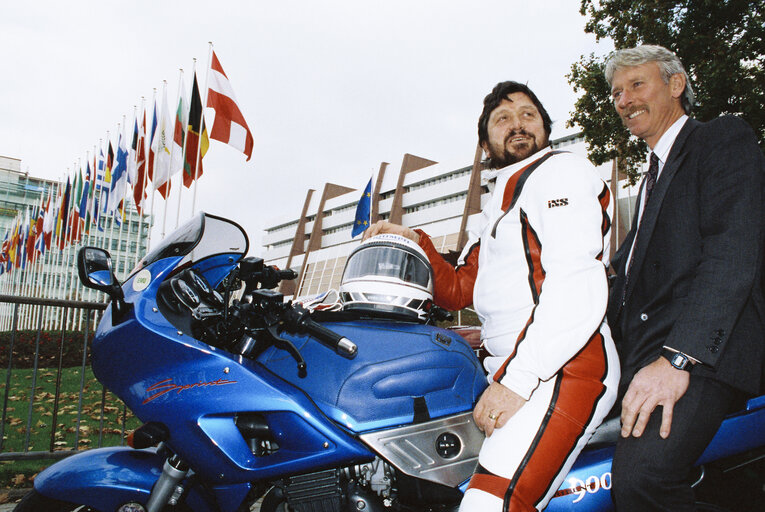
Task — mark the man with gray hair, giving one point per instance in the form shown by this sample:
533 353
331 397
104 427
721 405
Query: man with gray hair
686 308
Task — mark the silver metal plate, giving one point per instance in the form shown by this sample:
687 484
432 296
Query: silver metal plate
412 449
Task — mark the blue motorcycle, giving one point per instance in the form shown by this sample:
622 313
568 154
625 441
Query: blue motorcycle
254 402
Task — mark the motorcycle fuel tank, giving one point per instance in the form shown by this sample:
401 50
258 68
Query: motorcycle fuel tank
403 373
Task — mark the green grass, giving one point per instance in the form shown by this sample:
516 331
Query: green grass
65 431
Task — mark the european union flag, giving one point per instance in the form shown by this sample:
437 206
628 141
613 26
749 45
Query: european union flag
363 211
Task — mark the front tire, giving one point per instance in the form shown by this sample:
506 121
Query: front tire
36 502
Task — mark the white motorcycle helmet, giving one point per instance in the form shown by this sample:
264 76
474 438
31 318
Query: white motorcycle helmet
388 274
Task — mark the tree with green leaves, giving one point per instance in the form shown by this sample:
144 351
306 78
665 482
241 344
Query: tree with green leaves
720 42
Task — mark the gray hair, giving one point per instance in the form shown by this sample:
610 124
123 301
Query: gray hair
667 61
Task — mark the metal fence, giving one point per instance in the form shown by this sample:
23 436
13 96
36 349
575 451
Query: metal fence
50 397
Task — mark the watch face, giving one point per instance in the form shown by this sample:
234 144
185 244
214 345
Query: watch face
679 361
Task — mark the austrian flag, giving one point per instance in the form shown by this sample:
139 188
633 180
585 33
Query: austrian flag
229 125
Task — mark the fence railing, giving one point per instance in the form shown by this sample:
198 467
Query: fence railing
52 406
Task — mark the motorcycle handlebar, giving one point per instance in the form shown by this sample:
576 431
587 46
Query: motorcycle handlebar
339 343
298 317
286 275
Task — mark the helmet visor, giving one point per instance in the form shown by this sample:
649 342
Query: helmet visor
386 261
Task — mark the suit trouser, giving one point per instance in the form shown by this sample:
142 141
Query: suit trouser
654 474
523 463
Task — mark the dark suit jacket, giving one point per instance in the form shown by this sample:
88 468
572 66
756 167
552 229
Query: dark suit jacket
695 282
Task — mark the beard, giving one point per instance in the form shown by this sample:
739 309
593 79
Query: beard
502 156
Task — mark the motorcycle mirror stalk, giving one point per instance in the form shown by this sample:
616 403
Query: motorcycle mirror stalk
94 266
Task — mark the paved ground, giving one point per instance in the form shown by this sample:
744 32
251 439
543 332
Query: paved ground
14 495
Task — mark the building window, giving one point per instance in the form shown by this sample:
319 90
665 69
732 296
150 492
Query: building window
437 202
337 229
440 179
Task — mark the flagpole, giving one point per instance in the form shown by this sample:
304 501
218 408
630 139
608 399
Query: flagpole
20 258
27 266
59 257
39 273
33 276
25 271
153 173
75 285
201 129
124 207
102 206
17 286
97 198
76 291
185 145
172 150
40 262
67 247
109 212
60 260
90 203
128 255
142 183
50 257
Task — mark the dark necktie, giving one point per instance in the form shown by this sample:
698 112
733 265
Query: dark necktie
650 182
650 178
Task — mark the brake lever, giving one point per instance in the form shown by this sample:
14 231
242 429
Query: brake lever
290 348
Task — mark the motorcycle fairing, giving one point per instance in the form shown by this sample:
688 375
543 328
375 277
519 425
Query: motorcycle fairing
205 387
413 449
106 478
398 365
738 433
103 478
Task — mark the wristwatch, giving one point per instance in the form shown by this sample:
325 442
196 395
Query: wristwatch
678 360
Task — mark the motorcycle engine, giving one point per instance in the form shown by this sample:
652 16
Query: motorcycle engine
372 487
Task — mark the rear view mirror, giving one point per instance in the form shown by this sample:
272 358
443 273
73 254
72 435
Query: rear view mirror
94 266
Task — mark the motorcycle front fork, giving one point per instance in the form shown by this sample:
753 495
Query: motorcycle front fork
167 489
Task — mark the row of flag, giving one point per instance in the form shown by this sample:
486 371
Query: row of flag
156 152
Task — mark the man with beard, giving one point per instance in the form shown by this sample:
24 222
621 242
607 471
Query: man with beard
686 307
535 271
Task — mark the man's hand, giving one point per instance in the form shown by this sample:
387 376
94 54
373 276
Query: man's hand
495 407
383 226
659 383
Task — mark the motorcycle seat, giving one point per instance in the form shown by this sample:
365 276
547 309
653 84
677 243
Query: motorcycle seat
606 434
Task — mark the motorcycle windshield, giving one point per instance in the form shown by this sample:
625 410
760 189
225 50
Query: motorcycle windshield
202 236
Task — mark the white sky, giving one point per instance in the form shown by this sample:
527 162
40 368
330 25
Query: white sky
329 88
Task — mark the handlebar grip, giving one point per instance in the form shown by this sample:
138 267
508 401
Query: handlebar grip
286 275
340 344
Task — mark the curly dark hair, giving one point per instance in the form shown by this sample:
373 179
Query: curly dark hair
500 92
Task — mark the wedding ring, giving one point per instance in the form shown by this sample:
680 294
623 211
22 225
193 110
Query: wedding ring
492 416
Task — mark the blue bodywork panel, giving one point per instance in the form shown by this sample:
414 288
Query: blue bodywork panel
397 363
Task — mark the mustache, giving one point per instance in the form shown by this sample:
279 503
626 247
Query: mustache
515 133
627 113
